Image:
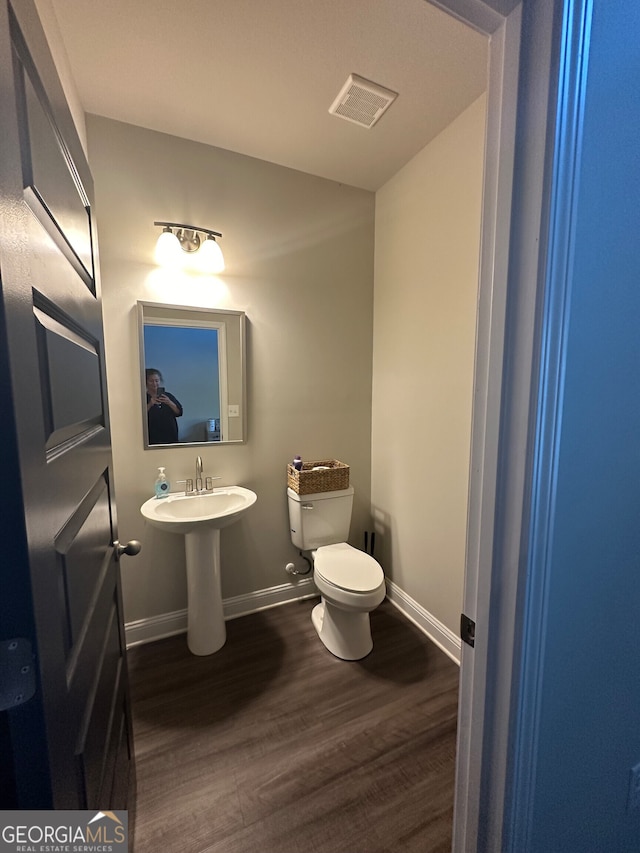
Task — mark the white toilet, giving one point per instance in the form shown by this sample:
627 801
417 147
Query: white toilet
350 582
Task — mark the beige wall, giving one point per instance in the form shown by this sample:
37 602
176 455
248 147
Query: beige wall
299 253
50 26
426 275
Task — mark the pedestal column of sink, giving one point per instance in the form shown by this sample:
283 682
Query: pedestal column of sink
206 631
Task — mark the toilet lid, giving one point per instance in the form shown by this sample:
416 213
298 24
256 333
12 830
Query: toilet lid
348 568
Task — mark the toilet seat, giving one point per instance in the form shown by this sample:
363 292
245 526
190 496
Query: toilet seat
347 568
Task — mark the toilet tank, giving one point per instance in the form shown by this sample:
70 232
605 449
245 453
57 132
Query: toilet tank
320 519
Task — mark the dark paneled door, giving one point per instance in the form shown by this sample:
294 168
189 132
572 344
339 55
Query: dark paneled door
69 745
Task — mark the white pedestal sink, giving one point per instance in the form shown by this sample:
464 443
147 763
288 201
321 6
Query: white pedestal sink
199 519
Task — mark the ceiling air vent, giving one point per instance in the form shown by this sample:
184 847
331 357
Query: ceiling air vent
362 101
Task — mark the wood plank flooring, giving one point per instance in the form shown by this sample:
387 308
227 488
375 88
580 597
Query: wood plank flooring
272 745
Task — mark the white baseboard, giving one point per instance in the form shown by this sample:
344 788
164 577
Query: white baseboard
445 639
262 599
168 624
154 628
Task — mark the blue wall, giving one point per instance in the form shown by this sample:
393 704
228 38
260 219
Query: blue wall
589 713
187 358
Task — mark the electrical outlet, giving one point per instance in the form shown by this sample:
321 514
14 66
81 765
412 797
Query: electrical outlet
234 411
633 802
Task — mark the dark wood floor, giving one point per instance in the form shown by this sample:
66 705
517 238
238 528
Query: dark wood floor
272 745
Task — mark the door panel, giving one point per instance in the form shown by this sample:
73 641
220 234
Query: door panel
70 746
81 548
70 410
47 173
55 180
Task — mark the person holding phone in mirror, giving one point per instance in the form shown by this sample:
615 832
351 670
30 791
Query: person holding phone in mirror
162 410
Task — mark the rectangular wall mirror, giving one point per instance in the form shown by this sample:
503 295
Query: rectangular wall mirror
192 375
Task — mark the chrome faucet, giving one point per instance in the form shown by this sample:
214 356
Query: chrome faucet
202 485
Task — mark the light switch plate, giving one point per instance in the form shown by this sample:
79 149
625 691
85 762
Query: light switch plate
234 411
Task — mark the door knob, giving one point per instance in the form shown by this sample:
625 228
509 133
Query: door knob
131 548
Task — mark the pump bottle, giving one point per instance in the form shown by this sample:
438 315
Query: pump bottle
162 486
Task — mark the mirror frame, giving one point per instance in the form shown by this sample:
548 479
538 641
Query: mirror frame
186 316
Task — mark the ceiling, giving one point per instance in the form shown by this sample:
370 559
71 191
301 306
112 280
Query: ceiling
258 76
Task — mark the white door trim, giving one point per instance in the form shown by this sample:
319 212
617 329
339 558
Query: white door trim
501 22
507 347
504 49
520 123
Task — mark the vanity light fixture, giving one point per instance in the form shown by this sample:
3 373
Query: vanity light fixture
202 251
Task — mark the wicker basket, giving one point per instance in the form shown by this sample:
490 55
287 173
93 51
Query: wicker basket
333 476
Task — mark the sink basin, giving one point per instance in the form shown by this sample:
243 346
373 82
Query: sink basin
183 513
199 519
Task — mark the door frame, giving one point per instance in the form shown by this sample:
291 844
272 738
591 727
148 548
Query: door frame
571 63
510 262
520 122
502 24
502 94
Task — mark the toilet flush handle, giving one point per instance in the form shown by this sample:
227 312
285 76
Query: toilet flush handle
306 506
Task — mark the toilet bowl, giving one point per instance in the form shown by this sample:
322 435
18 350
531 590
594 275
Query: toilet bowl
350 582
351 585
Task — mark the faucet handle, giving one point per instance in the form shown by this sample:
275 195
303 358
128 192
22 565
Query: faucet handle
188 486
209 482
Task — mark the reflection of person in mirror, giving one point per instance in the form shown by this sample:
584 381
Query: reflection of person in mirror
162 410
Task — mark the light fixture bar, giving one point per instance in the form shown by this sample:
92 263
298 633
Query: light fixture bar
199 243
189 228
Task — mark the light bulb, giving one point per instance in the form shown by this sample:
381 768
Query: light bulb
209 257
168 248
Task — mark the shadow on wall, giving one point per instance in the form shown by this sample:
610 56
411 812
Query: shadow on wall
382 530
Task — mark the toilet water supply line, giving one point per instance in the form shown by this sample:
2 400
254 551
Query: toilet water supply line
291 569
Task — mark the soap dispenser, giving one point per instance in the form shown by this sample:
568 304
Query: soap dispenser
163 486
